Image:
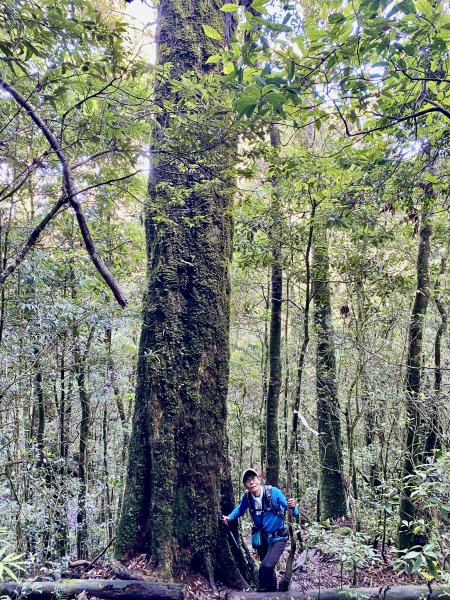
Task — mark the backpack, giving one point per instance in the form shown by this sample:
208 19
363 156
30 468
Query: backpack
267 503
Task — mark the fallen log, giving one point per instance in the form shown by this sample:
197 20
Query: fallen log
400 592
109 589
122 572
74 564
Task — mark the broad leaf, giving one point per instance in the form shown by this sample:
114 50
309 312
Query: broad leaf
211 32
229 7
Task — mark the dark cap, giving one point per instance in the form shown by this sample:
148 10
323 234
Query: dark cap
249 473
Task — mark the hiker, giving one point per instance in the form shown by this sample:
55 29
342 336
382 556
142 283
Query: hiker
267 506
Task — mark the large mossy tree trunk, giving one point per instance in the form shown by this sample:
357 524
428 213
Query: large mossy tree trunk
414 433
178 479
332 488
276 309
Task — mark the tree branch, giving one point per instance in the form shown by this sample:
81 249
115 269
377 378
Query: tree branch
15 189
71 197
393 120
34 236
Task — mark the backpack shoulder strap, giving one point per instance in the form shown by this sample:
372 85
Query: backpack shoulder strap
270 504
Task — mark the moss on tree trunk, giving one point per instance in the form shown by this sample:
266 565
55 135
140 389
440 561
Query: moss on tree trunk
332 490
178 480
414 433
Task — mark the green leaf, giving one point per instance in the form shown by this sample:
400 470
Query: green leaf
432 567
229 7
424 7
315 34
10 573
211 32
275 98
268 88
245 102
228 68
431 178
259 5
407 6
336 18
411 555
214 59
245 106
417 564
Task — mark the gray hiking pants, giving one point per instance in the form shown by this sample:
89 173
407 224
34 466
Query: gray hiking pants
269 555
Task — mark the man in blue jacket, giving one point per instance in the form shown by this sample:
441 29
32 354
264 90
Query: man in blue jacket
267 506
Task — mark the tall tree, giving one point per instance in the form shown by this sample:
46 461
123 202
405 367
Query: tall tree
332 489
178 479
413 378
434 434
274 386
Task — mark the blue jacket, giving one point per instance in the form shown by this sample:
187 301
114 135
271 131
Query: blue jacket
270 521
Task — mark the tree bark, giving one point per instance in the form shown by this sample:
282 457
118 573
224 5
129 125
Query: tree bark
178 479
85 403
40 407
414 448
61 523
265 374
434 435
274 386
332 489
107 516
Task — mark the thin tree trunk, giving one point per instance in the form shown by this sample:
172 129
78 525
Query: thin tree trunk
40 409
117 397
286 376
265 377
434 435
85 404
274 387
62 529
332 488
4 249
413 448
290 459
107 495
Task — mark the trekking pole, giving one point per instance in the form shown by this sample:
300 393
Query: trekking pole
232 537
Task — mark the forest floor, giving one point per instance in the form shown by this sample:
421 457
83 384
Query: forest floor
312 570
